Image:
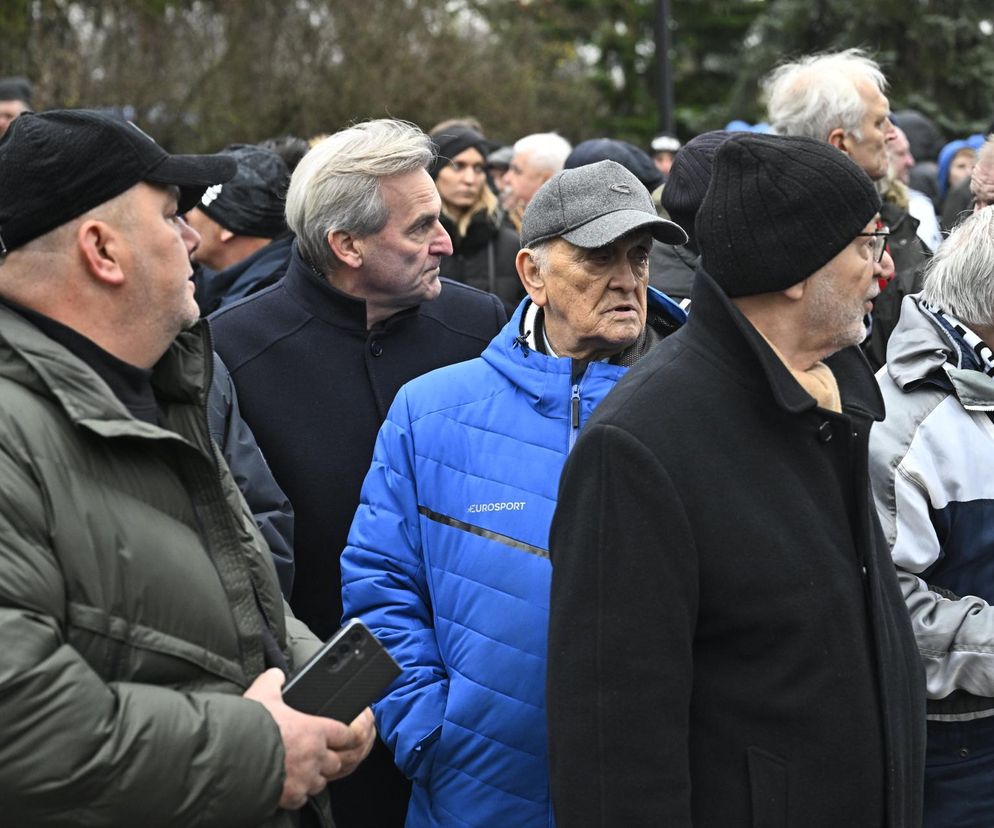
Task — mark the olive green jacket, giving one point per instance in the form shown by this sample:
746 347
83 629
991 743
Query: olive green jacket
133 583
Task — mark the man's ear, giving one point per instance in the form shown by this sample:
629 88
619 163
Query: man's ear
225 235
346 247
796 292
531 276
101 248
837 138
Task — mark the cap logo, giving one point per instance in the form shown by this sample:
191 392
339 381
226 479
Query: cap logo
621 188
210 194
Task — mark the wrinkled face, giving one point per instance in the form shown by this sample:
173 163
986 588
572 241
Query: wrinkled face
961 167
400 263
870 151
523 179
8 111
595 300
460 182
900 156
841 293
157 262
210 251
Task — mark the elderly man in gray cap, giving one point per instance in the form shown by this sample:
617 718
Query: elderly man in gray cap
448 555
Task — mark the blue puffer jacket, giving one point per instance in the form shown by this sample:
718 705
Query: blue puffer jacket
447 562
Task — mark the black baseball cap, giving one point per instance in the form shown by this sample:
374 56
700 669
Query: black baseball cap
56 165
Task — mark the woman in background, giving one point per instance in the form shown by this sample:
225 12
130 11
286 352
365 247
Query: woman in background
484 246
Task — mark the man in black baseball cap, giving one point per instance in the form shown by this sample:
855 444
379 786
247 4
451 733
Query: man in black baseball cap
141 611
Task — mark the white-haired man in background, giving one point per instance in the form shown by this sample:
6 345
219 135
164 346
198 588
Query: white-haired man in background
841 98
536 159
932 471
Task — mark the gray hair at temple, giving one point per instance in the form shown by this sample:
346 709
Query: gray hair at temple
819 93
960 276
336 186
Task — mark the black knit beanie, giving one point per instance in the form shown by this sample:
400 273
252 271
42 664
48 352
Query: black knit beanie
252 203
450 142
777 209
689 177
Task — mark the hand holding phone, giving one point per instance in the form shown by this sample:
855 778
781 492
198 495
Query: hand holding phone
346 675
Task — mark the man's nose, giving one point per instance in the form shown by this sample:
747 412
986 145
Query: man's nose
624 276
191 238
441 245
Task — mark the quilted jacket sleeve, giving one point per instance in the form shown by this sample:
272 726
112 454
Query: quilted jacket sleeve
77 750
384 584
955 635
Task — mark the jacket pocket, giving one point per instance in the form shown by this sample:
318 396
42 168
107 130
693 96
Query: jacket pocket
768 789
423 755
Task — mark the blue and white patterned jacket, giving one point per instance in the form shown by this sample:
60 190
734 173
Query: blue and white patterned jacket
447 562
932 472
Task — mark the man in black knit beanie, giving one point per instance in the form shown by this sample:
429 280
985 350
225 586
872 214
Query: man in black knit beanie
728 644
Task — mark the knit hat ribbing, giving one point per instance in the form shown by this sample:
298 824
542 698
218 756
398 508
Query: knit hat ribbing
689 177
777 209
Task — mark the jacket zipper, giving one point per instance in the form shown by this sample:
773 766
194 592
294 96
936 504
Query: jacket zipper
574 407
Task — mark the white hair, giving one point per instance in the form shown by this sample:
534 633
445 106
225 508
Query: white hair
960 276
547 150
336 186
819 93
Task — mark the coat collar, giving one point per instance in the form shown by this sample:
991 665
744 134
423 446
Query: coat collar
317 296
920 352
744 350
34 360
547 380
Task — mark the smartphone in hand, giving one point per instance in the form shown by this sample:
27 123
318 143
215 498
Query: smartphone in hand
345 676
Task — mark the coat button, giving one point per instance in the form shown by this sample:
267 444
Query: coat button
964 752
825 432
375 348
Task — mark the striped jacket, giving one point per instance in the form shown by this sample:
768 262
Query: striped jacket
932 471
447 562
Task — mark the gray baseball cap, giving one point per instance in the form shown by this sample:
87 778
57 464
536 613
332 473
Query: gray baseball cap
593 205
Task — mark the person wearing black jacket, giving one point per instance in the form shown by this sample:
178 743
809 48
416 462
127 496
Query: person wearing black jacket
728 645
318 358
484 244
244 241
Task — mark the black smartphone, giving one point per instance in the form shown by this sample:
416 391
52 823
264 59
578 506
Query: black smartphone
345 676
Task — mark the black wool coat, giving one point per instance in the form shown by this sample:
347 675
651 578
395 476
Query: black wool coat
314 386
728 645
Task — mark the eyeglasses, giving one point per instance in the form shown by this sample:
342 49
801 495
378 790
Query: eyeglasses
879 242
459 166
